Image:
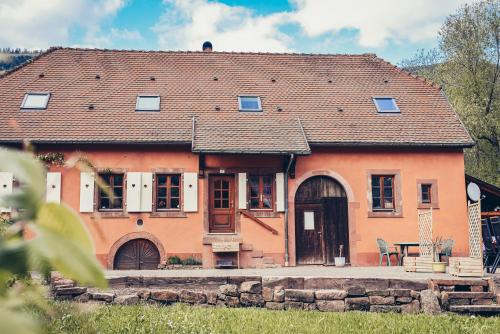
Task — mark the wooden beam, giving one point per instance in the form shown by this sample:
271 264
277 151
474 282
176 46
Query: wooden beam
258 221
486 214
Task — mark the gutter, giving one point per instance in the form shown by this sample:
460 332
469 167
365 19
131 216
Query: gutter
287 256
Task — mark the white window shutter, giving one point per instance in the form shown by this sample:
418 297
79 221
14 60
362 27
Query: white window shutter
86 192
190 192
53 190
134 185
242 191
6 181
280 192
147 192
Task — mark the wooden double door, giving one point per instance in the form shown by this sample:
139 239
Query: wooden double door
137 254
221 204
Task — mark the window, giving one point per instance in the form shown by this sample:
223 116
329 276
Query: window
249 103
386 105
148 103
168 192
111 197
383 192
426 195
260 189
35 101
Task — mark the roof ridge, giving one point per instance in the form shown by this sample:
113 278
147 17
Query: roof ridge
398 69
29 61
213 52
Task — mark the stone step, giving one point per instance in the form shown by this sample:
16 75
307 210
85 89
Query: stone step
448 282
490 309
471 295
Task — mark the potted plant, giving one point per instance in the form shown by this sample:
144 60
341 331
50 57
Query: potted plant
437 246
340 260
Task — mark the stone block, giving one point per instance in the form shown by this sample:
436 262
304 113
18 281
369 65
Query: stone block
165 296
251 299
73 291
415 294
144 294
379 300
127 299
357 304
268 294
459 301
366 283
403 300
83 298
251 287
401 292
355 291
275 306
429 302
417 285
330 305
103 296
481 301
330 294
318 283
232 301
229 290
295 295
279 294
381 293
291 305
211 297
476 288
385 308
192 297
63 282
309 307
285 282
411 308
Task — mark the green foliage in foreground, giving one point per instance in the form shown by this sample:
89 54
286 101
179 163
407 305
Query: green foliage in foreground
92 318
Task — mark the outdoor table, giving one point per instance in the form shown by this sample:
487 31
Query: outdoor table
403 249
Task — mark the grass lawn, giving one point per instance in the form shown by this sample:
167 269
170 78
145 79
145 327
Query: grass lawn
91 318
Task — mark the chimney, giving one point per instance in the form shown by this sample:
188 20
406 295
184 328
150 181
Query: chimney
207 46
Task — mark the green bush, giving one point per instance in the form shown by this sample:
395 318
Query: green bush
191 261
174 260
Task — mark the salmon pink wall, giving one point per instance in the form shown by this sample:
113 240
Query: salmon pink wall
188 235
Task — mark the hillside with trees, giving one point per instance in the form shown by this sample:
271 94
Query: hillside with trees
10 58
466 64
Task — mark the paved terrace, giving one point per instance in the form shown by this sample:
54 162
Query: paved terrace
303 271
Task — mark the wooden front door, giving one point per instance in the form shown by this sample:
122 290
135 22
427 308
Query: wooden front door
309 229
137 254
221 204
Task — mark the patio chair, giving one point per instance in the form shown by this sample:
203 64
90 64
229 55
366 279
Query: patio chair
471 266
447 248
386 250
495 226
490 249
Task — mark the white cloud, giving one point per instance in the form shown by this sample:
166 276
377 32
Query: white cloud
376 20
39 24
125 34
186 24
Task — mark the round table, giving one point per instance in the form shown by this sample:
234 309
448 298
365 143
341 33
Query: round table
403 249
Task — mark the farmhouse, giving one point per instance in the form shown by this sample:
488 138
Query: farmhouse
259 159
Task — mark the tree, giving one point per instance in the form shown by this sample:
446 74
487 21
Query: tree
467 66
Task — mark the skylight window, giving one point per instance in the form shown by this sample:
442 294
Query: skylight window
386 105
148 103
35 101
249 103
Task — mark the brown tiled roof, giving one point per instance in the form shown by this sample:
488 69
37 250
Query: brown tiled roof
325 98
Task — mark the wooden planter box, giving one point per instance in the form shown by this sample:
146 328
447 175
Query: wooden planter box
419 264
466 266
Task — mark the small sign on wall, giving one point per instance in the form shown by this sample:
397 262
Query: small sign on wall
308 220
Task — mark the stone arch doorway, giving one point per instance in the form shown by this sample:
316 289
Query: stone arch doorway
321 221
150 243
137 254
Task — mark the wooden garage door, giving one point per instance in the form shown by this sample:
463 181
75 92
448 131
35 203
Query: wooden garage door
137 254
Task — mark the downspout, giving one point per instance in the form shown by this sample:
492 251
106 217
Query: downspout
287 257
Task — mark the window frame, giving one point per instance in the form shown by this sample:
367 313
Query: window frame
146 96
167 193
381 185
261 208
428 193
382 111
434 199
397 194
99 197
25 98
259 102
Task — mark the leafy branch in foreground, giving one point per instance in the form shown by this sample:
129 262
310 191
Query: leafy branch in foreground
60 241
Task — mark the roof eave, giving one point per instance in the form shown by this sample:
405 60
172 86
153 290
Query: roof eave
392 144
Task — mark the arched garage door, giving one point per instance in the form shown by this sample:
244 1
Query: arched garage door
137 254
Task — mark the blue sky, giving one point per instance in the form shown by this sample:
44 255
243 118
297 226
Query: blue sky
393 29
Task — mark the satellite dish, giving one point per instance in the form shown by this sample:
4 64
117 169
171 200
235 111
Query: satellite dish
473 192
